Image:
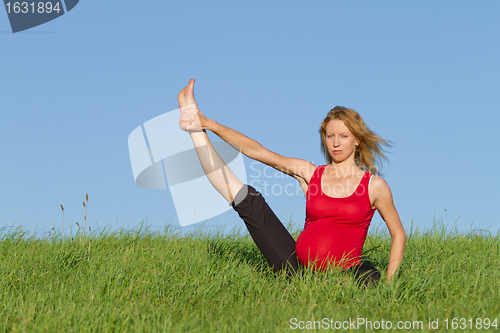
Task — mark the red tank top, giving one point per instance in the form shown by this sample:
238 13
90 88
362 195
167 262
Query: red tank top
335 229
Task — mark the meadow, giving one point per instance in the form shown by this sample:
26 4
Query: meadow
144 281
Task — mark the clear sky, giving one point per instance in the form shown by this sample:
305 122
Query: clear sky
425 75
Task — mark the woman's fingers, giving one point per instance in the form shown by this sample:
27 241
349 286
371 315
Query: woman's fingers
189 119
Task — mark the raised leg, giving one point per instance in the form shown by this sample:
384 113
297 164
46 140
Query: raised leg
268 233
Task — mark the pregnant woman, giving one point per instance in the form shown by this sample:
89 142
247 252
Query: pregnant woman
341 196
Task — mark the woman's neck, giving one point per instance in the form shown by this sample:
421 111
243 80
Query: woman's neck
343 170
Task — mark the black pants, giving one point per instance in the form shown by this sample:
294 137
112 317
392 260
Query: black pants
274 241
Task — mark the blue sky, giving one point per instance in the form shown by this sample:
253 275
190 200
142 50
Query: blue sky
425 75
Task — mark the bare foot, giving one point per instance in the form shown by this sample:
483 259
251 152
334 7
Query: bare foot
186 96
191 119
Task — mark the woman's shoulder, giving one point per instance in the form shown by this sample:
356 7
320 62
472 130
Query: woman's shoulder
376 180
378 186
302 169
313 171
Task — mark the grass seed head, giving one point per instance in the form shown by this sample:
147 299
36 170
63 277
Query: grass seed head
62 208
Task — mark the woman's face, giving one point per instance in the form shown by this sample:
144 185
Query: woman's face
341 143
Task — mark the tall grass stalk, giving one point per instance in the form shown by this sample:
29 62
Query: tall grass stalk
85 205
62 227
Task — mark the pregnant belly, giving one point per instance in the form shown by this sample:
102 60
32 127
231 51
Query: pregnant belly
324 244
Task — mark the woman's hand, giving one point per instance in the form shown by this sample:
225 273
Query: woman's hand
191 119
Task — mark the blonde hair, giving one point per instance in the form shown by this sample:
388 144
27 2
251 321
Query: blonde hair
369 150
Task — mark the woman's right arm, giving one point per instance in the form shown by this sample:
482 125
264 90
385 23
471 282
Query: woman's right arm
294 167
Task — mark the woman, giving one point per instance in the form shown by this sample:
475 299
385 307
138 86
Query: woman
341 196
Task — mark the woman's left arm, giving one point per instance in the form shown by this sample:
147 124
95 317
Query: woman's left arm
383 202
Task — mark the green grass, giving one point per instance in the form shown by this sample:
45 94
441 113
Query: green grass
140 281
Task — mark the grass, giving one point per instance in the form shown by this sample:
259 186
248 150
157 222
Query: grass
141 281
